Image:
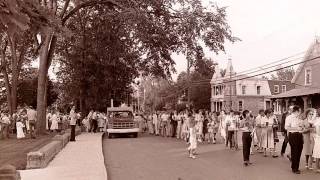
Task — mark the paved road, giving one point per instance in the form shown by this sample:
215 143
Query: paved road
158 158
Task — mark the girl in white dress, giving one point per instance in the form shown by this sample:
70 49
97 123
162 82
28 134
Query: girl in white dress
54 122
20 126
316 148
193 138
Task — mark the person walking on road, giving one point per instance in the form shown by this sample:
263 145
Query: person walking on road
316 148
247 126
294 125
258 130
284 131
308 141
192 138
32 118
155 122
73 122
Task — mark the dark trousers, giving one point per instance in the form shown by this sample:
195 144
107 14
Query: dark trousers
230 139
32 127
73 133
5 130
246 141
285 143
174 128
296 144
93 125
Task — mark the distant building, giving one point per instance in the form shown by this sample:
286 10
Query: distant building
306 81
241 92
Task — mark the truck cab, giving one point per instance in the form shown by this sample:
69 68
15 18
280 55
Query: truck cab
121 121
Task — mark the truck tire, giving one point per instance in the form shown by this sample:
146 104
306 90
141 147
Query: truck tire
110 136
135 135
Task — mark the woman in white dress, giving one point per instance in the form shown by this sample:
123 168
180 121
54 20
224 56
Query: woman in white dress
316 148
222 126
54 122
267 135
20 126
193 137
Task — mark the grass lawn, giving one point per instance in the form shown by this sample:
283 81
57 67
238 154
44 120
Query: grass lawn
14 151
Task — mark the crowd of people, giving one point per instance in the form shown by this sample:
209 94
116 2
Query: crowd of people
257 133
23 123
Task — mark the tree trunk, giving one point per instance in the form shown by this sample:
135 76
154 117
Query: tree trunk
15 73
8 89
42 78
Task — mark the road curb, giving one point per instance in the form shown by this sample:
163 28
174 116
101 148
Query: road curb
43 156
104 164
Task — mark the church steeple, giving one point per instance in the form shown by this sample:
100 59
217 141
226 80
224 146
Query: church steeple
229 69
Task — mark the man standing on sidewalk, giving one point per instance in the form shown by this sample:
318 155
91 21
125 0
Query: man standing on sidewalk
32 118
73 122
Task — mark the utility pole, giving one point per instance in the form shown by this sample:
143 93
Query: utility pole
230 92
188 77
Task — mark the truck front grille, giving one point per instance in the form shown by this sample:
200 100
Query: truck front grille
123 125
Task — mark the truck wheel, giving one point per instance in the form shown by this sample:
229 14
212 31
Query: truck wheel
135 135
110 135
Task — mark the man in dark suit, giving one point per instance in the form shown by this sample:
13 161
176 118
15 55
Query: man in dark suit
284 131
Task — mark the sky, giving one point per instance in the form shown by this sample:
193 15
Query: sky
269 30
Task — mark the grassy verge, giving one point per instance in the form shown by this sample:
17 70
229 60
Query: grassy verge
14 151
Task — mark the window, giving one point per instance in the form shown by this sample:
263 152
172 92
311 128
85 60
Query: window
240 106
284 88
258 90
308 76
243 89
276 88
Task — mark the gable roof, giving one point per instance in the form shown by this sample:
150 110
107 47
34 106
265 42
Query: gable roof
312 52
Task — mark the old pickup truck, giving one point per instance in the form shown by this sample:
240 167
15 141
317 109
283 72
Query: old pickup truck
121 121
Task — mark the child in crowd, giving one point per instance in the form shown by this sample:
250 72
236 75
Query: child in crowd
20 126
193 138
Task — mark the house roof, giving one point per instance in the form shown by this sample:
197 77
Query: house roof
312 52
297 92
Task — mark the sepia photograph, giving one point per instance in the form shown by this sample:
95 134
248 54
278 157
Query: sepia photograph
159 90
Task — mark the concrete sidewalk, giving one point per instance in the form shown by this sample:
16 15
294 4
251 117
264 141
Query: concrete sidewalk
80 160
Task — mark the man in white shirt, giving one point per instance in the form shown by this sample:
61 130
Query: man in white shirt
231 122
294 126
164 121
155 123
32 118
73 122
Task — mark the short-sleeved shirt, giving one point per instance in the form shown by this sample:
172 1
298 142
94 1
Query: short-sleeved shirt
293 121
32 114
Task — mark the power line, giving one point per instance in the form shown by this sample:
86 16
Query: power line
247 77
242 74
277 61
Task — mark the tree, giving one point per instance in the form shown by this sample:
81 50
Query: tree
16 52
156 29
285 74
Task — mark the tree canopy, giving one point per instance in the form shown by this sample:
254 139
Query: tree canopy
103 45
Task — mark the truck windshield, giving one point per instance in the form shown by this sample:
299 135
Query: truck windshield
120 114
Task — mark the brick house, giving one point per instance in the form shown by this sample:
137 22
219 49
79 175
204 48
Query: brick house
239 92
278 87
306 81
